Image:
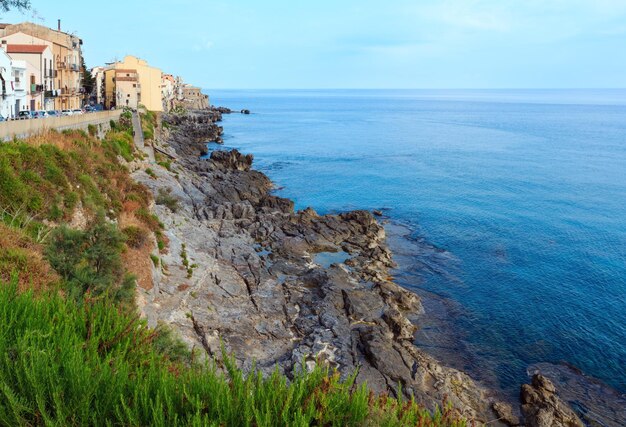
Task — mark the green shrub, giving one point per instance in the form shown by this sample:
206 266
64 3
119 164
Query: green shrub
167 164
149 219
92 130
151 173
121 143
155 260
165 198
90 260
148 123
136 237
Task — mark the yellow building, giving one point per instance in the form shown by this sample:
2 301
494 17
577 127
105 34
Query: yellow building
122 88
66 50
148 84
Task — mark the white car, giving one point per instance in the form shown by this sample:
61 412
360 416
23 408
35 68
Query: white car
67 113
77 112
42 114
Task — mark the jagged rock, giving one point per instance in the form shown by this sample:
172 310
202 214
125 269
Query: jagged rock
505 413
258 289
232 160
542 407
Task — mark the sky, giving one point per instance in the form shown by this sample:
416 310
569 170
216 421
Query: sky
431 44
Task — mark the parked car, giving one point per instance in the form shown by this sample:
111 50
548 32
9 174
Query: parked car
54 113
2 119
42 114
67 112
23 115
77 111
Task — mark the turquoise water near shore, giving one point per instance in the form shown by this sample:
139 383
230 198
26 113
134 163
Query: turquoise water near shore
511 207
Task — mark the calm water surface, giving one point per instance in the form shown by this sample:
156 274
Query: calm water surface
512 207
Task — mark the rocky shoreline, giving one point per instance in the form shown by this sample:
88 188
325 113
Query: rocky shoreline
244 269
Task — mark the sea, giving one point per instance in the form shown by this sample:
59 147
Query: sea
505 209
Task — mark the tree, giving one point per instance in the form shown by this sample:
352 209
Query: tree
21 5
90 260
88 82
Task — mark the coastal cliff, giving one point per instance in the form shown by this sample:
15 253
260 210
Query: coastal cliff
246 270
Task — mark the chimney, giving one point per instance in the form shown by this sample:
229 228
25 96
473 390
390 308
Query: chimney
59 25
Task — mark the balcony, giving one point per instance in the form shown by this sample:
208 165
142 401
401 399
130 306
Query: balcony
35 89
62 65
52 93
74 67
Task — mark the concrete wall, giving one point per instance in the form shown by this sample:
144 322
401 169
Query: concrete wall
26 128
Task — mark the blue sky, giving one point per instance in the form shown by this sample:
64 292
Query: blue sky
357 44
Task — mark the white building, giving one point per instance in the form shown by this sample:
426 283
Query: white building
39 74
12 89
19 87
7 95
98 78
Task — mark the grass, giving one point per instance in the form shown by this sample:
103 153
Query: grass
47 179
185 261
92 364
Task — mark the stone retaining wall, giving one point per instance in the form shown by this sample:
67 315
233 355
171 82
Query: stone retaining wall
26 128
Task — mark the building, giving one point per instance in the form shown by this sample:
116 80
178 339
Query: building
20 91
39 74
127 88
98 84
7 84
194 99
168 91
147 81
67 58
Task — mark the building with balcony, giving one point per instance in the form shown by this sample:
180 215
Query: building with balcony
148 82
122 88
19 87
67 91
39 74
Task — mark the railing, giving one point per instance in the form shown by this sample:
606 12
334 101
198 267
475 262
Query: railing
51 93
35 88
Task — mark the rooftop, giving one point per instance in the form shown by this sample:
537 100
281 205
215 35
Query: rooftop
26 48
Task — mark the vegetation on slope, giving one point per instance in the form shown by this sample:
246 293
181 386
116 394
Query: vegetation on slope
148 124
73 350
91 364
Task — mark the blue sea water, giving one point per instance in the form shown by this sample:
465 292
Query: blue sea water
511 206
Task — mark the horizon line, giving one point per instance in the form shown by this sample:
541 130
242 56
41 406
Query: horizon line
416 88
